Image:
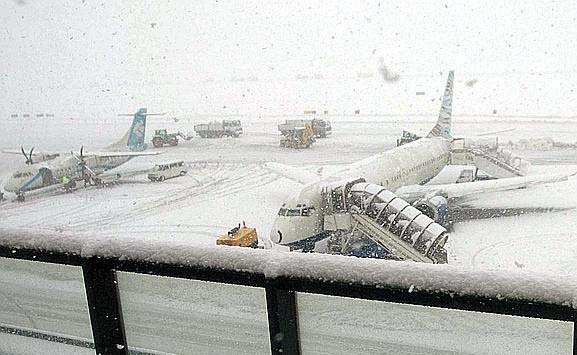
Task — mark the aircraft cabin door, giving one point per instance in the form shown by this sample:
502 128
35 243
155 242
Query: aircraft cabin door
47 177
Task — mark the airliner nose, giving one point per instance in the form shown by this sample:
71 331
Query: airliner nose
10 185
276 233
276 236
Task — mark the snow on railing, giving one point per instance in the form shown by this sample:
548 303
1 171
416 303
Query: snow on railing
272 264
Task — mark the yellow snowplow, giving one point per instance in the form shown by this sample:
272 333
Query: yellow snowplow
239 237
298 137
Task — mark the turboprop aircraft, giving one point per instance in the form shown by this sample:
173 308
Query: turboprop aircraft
53 166
409 220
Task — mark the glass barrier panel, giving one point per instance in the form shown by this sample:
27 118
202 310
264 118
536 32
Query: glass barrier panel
337 325
42 298
170 315
16 344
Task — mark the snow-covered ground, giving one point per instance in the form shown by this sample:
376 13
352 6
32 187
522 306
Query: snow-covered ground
228 183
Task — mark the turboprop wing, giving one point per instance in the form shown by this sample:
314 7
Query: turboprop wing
122 154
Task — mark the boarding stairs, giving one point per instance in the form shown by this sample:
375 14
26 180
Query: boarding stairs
496 162
386 238
494 166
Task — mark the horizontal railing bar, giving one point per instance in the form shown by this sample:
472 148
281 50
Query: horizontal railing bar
190 272
382 293
512 307
45 256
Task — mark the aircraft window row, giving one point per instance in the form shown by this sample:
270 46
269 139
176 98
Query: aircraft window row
419 166
25 174
169 166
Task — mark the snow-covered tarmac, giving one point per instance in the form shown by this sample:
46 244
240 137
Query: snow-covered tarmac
228 183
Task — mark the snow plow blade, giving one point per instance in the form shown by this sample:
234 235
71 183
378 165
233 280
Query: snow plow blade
239 237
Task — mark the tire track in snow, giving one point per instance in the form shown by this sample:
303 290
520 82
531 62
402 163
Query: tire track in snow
513 243
221 184
218 189
205 230
88 214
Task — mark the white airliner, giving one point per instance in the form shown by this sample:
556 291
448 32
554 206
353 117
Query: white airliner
53 166
403 169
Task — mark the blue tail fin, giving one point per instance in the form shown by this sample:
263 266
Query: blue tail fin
443 126
133 139
137 131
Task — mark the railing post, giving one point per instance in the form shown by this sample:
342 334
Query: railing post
574 332
104 307
282 321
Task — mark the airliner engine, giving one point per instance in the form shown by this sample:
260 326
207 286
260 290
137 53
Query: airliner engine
436 208
38 157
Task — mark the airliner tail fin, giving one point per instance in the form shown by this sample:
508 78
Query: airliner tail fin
443 126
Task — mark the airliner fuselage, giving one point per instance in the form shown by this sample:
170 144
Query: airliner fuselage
301 217
44 174
50 172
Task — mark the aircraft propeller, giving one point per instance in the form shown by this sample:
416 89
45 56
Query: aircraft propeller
82 162
28 156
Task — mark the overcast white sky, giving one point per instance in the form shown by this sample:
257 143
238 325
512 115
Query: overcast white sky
246 56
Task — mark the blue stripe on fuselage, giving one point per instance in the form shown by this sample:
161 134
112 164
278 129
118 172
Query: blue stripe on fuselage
30 182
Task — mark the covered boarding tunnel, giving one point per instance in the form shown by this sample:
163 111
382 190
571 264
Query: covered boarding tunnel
392 222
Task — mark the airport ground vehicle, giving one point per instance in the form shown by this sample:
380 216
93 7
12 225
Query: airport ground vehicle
298 137
218 129
239 237
40 178
167 170
161 137
407 137
321 128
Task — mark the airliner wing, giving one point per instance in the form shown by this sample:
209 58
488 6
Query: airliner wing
415 192
292 173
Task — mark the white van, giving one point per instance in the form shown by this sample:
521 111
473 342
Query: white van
167 170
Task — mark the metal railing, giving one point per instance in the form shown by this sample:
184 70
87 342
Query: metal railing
100 281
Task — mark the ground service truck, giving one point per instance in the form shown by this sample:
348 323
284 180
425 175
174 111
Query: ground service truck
298 137
161 137
218 129
321 128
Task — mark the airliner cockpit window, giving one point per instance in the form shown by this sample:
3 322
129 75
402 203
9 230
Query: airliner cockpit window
306 211
293 212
